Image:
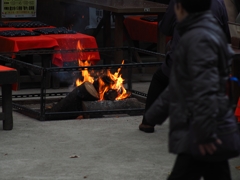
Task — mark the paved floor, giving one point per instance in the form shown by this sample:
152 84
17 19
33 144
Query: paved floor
95 149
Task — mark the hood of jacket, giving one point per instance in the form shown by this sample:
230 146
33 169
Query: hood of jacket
196 20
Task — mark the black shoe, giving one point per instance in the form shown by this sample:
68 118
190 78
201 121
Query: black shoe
146 128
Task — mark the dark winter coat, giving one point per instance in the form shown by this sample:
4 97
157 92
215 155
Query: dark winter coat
197 83
168 24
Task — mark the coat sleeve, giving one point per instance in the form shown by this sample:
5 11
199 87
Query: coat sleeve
158 112
202 59
220 13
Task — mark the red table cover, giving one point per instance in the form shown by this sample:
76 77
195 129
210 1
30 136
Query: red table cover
70 41
57 42
142 30
5 68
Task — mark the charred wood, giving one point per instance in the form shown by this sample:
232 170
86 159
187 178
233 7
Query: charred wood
129 103
73 101
111 94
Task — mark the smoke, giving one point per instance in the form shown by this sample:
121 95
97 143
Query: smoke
77 18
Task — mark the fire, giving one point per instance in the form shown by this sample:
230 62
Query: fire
86 75
116 83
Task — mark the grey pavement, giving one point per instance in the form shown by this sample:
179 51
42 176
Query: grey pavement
96 149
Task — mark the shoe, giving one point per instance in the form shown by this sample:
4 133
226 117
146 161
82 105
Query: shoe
146 128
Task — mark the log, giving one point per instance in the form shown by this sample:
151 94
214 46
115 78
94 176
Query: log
129 103
106 79
87 92
73 101
110 95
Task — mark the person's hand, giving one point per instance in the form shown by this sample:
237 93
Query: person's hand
209 148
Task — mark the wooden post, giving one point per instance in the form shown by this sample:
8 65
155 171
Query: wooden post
7 106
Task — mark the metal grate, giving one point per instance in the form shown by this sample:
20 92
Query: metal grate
42 114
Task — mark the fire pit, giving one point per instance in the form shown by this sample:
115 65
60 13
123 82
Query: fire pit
92 96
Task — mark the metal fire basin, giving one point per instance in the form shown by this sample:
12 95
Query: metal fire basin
21 101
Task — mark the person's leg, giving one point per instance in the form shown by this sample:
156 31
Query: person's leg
158 83
217 170
187 168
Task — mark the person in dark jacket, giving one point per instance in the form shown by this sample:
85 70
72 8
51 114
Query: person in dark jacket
196 94
167 26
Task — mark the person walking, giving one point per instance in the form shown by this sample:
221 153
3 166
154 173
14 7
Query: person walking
195 100
160 79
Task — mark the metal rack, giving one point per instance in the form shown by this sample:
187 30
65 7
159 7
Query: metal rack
42 114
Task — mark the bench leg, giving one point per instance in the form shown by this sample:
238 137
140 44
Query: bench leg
46 63
7 107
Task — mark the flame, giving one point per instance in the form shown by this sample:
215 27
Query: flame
103 88
116 85
86 75
116 78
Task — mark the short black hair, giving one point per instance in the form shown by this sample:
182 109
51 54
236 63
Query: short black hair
195 6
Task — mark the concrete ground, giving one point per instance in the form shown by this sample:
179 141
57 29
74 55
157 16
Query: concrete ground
96 149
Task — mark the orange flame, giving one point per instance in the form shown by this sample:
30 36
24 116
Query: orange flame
86 75
117 85
117 80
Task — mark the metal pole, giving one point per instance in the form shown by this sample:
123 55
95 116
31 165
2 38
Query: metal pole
43 95
130 54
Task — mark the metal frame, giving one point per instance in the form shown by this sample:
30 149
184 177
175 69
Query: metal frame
43 115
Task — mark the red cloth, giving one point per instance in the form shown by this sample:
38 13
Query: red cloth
4 68
57 42
15 44
142 30
70 41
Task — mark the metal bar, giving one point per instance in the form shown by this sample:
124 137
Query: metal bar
100 67
148 52
106 49
129 81
61 94
98 112
139 93
50 51
43 95
38 95
20 63
26 110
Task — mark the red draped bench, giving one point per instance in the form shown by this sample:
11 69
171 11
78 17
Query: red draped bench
8 76
43 42
142 30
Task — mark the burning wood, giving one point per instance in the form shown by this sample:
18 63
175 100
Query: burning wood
111 95
73 101
101 93
107 82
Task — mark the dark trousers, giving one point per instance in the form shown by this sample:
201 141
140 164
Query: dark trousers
158 83
188 168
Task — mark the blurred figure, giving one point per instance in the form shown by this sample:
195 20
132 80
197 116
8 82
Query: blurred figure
237 3
195 98
160 78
